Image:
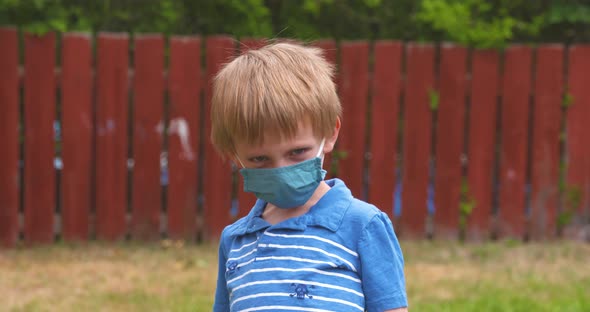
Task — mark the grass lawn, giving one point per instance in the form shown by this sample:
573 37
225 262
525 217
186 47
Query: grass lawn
169 276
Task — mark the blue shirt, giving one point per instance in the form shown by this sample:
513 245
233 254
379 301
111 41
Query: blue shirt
342 255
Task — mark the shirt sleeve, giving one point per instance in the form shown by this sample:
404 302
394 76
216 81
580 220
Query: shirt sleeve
382 266
221 295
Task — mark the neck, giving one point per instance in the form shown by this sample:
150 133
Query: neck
273 214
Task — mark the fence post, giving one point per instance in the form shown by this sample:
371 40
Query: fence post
354 88
184 85
450 140
112 136
386 89
78 129
545 141
9 137
217 184
578 114
516 90
482 141
148 107
417 139
39 113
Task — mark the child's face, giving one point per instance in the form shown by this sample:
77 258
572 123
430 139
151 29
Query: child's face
276 151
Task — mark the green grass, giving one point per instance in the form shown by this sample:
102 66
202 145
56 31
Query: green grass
504 276
168 276
109 277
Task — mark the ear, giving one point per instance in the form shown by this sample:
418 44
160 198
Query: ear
331 141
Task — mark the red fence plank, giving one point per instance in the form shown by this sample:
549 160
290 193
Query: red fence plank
217 187
148 108
386 90
449 145
545 141
9 176
482 138
578 114
417 139
39 113
77 125
111 136
513 155
354 83
183 147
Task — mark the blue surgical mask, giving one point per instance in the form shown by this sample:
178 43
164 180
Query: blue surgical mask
285 187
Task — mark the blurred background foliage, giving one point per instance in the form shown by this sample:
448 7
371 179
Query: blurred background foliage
478 23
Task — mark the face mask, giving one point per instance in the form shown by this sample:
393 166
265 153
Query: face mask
285 187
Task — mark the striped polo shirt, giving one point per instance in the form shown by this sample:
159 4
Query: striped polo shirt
342 255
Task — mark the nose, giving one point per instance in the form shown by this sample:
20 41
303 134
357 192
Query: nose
283 162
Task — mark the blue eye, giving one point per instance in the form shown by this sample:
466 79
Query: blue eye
258 159
299 151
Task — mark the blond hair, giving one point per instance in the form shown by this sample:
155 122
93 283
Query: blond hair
272 89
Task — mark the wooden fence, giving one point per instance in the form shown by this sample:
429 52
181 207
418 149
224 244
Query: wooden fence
458 141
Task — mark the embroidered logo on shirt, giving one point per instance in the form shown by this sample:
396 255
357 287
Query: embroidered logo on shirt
232 266
301 291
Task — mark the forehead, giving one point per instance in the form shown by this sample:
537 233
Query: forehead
274 141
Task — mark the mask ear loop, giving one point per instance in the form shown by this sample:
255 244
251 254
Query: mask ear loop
321 150
241 164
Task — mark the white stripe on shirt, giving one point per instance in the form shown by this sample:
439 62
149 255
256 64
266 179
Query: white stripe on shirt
308 248
296 259
244 246
316 238
243 256
243 264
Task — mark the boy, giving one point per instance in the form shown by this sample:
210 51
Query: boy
307 244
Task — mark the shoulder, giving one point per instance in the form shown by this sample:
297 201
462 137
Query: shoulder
340 197
361 216
363 212
356 214
233 230
362 208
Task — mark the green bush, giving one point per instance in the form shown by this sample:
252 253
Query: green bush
478 23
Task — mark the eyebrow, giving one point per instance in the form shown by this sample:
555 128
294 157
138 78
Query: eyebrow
298 147
302 146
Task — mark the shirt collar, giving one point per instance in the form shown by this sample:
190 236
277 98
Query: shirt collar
328 212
